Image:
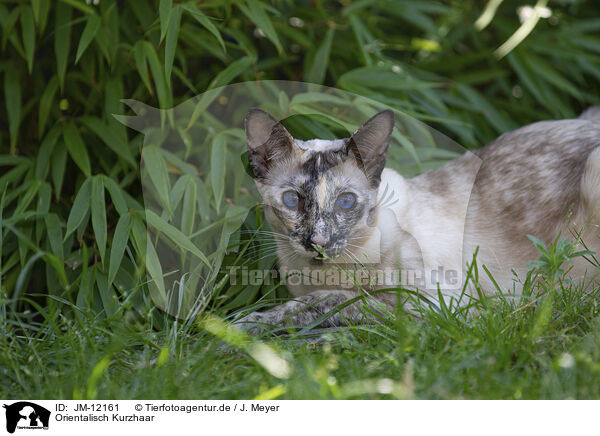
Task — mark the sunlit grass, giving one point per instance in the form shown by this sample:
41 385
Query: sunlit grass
502 347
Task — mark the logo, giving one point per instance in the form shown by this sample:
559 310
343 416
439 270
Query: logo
26 415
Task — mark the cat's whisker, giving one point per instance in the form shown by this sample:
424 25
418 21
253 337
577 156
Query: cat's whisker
289 251
250 238
269 239
264 232
364 250
359 238
262 253
352 256
264 256
266 242
262 247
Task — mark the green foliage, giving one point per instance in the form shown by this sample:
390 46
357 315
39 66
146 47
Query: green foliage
552 258
73 223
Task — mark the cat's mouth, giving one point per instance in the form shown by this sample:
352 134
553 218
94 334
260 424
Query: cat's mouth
322 255
318 255
316 260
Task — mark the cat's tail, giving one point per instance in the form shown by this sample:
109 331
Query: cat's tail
591 114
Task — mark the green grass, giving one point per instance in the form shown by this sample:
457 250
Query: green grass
77 317
491 356
544 344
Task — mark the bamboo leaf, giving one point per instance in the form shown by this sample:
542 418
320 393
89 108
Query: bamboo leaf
157 73
79 5
58 163
27 197
12 98
62 39
36 6
2 197
89 32
233 70
98 210
316 73
116 195
106 295
148 253
119 243
159 295
28 28
171 41
80 208
58 267
46 101
41 11
217 169
113 141
188 213
164 12
55 237
141 65
255 11
174 235
205 22
156 168
76 148
24 276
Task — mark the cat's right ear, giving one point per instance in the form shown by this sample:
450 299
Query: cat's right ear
370 143
267 141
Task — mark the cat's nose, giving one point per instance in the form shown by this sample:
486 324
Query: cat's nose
319 240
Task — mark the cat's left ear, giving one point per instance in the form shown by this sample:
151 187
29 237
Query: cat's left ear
268 141
369 144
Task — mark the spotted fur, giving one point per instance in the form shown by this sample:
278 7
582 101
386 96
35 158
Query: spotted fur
542 179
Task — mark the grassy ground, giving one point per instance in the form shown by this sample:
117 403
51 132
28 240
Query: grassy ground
545 344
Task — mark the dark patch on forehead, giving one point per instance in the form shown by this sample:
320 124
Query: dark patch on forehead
321 162
316 166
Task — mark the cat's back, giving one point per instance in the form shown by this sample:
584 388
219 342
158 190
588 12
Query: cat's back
530 178
550 145
532 181
535 180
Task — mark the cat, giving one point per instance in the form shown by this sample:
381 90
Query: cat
333 203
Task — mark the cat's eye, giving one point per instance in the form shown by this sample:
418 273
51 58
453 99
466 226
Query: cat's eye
346 200
291 199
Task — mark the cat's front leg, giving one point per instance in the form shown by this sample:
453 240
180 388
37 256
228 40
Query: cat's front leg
303 311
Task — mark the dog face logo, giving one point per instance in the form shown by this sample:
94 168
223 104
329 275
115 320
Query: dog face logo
26 415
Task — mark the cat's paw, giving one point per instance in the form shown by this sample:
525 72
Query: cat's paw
254 323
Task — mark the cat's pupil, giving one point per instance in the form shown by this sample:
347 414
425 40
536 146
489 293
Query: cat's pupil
291 199
346 200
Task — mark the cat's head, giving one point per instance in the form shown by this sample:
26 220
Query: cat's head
318 193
